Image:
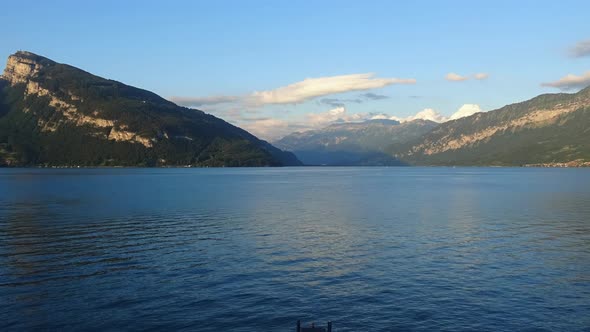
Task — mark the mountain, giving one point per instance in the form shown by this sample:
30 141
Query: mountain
548 129
56 114
353 143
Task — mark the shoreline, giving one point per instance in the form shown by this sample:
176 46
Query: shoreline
572 164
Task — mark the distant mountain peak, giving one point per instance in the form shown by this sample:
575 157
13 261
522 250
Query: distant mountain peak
383 121
365 123
353 143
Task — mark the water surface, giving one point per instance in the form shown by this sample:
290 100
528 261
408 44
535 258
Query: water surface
372 249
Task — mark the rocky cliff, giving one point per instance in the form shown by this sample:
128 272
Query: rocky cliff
20 67
76 118
551 128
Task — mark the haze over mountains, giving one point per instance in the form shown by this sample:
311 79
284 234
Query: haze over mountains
354 143
56 114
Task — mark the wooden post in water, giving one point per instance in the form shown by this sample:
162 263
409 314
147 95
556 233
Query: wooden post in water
298 325
330 326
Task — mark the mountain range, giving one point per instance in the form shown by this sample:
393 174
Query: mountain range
56 114
548 129
53 114
354 143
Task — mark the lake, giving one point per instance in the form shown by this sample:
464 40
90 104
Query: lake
371 249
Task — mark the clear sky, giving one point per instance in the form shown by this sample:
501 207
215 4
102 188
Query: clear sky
246 61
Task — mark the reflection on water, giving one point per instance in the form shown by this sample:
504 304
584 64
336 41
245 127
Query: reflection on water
374 249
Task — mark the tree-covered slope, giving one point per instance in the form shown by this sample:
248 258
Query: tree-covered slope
551 128
56 114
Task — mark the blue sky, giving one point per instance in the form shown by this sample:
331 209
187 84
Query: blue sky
197 50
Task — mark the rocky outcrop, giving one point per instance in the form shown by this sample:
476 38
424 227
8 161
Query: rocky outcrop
534 118
57 114
548 129
129 136
20 67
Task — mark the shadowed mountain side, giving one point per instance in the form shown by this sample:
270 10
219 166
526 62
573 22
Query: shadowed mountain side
56 114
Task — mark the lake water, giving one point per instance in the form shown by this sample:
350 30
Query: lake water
372 249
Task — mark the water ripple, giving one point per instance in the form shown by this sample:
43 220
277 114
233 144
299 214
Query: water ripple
373 249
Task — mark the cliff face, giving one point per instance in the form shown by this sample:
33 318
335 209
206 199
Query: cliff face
20 67
24 68
551 128
529 117
74 117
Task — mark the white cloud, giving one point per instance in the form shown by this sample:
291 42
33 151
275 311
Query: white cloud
272 129
301 91
581 49
427 114
381 117
459 78
455 77
267 128
318 119
433 115
338 114
570 82
465 110
481 76
322 86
